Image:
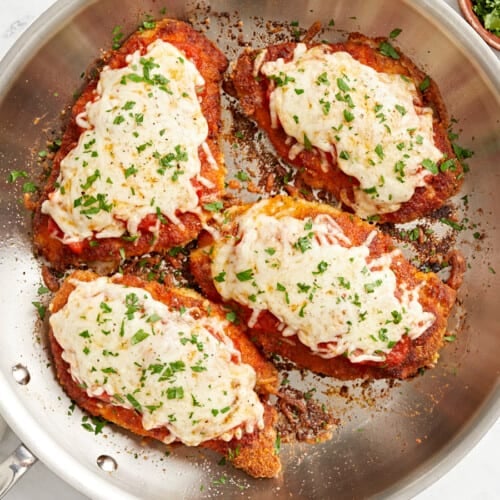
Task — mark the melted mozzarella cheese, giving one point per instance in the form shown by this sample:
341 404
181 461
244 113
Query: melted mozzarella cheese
139 154
331 294
366 119
177 371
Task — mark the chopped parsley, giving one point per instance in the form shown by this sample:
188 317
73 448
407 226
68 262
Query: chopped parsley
167 161
307 143
29 187
130 171
370 287
131 399
380 151
231 317
132 304
242 176
92 205
40 308
342 85
448 165
91 179
128 105
281 79
425 84
105 307
451 223
430 165
303 244
175 393
395 33
148 23
246 275
222 480
321 268
17 174
117 37
93 424
221 277
386 49
213 207
348 116
401 109
322 79
277 444
139 336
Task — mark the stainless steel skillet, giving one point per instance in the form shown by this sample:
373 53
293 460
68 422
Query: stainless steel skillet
397 443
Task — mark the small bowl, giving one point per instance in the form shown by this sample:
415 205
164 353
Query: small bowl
471 17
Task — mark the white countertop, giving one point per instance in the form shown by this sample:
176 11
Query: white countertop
477 476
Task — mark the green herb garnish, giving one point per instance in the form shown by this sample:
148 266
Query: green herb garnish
386 49
488 12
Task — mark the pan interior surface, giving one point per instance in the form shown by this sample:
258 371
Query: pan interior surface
392 435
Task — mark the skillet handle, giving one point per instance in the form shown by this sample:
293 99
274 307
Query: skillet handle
14 467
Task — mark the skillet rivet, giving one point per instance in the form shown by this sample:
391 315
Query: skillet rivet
107 463
21 374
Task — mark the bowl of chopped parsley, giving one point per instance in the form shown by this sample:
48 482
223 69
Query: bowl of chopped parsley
484 17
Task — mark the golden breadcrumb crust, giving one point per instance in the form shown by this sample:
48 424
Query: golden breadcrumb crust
211 64
254 453
405 359
253 95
